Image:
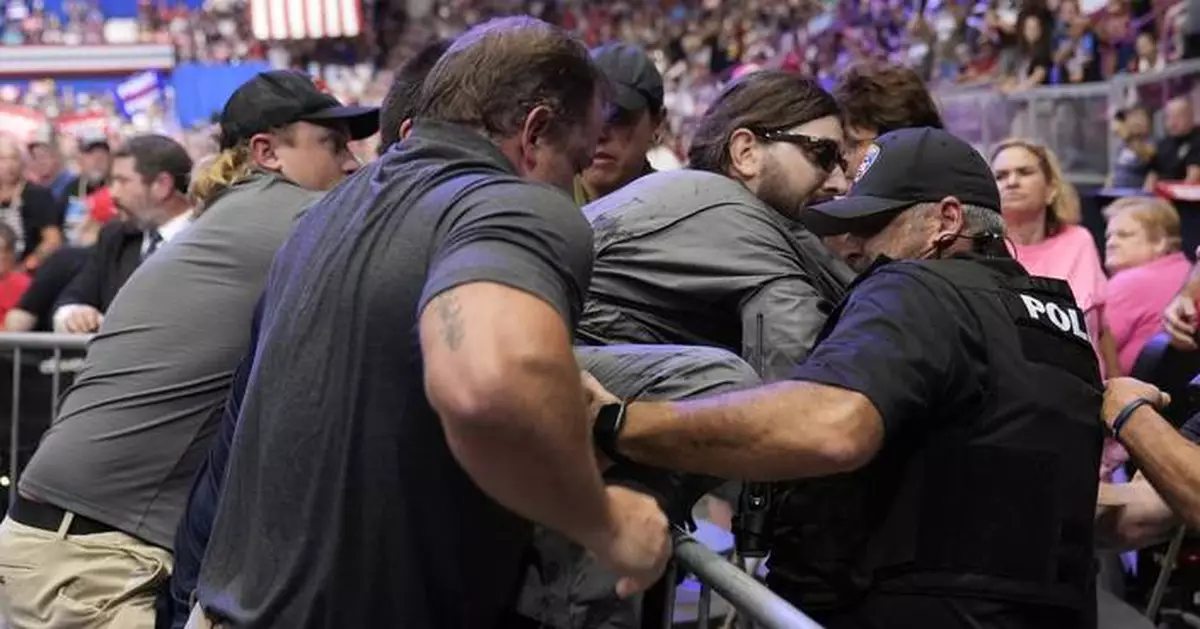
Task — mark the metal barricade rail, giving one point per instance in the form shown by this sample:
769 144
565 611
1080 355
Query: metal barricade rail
750 598
1072 119
16 343
754 606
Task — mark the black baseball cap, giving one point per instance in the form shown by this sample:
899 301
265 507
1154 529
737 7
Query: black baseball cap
904 168
282 97
636 82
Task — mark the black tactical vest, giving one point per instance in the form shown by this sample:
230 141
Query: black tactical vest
993 500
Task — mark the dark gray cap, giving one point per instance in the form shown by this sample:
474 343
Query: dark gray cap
636 81
904 168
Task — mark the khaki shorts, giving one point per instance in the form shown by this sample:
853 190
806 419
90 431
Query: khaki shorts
52 580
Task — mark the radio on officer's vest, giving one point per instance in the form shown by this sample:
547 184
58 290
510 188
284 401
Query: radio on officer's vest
752 523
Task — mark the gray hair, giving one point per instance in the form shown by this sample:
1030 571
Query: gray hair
980 221
977 220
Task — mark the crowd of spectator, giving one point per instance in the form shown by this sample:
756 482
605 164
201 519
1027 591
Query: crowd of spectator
1009 44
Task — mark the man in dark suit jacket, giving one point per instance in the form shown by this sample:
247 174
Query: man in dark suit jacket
149 183
117 253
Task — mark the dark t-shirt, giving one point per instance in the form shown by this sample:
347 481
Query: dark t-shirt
39 210
342 504
899 342
1175 154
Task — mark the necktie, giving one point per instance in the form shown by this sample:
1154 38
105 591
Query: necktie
155 240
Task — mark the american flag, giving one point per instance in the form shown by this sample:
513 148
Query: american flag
305 19
140 92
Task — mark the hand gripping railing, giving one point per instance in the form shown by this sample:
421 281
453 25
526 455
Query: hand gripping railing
16 342
756 605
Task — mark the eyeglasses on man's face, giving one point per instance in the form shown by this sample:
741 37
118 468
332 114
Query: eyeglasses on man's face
825 153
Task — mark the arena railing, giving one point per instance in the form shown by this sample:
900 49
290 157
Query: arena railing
22 346
1073 120
753 604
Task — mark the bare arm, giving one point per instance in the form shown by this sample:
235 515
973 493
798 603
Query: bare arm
1169 461
1179 319
831 418
500 373
1151 181
781 431
52 239
1132 515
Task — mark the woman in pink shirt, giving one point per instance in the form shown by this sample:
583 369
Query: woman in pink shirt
1142 252
1041 213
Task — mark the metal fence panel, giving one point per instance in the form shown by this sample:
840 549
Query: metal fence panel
41 366
1073 120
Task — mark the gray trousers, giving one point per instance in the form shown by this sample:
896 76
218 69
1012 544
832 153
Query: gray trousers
564 587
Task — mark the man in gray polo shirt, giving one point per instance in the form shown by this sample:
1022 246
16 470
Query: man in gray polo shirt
88 542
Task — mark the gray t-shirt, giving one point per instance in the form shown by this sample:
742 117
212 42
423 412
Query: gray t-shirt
136 424
694 258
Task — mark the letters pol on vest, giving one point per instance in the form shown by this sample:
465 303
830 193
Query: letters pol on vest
1067 319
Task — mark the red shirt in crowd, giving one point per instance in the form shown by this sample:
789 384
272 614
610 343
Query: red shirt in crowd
12 286
101 208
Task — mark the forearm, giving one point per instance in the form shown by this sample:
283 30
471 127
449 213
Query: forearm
781 431
52 239
1170 462
531 450
1151 181
1131 516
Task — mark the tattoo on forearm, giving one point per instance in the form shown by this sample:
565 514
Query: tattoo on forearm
450 313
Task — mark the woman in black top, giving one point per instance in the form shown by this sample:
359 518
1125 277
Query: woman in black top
31 210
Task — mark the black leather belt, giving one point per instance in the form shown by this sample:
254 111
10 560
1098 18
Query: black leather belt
48 517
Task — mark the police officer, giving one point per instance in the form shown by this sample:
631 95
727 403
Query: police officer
949 406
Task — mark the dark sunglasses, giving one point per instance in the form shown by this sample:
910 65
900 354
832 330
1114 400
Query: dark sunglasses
825 153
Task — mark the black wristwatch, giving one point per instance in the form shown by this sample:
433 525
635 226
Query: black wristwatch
607 430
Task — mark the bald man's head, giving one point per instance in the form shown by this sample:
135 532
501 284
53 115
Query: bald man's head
1178 117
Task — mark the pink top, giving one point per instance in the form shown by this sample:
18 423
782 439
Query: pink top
1136 300
1071 255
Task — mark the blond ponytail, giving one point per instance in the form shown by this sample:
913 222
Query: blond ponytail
218 173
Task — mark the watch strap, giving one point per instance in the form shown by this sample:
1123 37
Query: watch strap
607 430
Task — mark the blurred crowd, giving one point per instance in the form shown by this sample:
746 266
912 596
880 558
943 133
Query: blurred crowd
698 45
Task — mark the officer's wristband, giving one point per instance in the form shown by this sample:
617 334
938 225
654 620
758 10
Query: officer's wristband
1126 413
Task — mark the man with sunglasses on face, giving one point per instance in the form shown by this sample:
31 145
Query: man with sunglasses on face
944 425
634 117
706 255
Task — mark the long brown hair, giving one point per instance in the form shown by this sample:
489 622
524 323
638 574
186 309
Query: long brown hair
1063 209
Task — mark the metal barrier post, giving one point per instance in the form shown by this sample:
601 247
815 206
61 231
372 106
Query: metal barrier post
14 431
55 380
658 602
